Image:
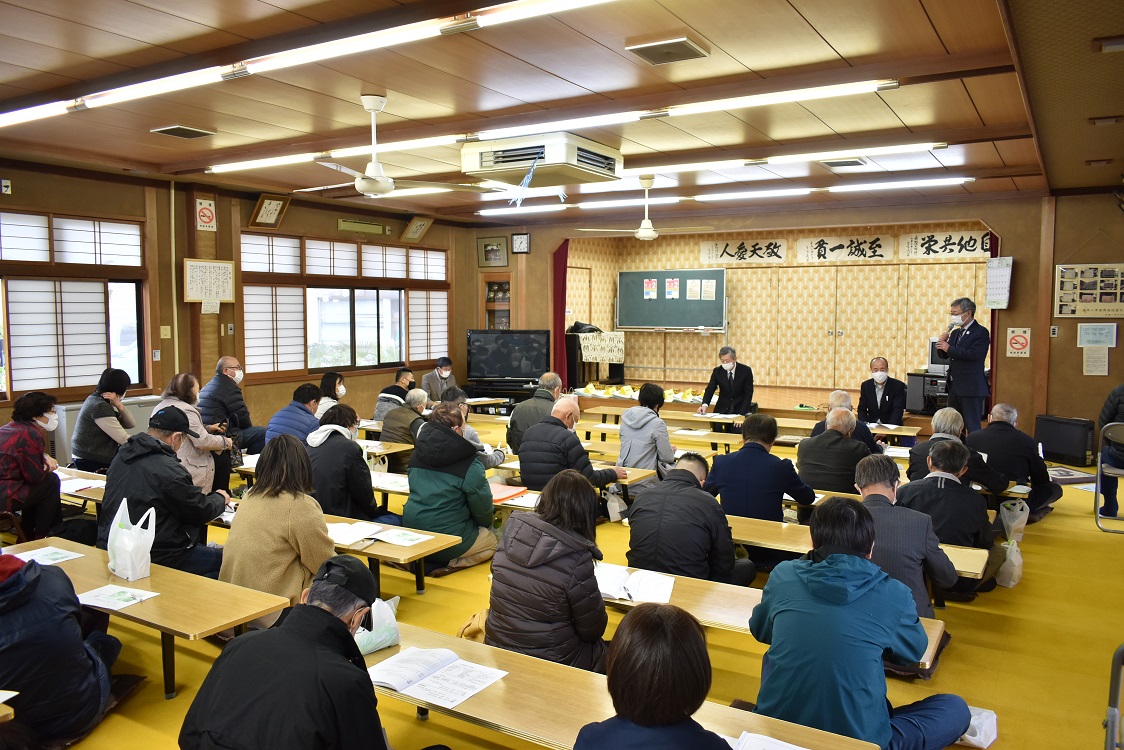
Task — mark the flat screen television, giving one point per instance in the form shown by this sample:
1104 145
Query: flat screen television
937 364
508 355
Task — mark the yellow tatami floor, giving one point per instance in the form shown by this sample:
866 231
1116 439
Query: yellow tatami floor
1038 654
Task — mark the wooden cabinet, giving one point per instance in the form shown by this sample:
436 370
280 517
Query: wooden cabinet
495 307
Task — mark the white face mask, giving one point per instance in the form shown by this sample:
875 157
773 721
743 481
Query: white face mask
238 377
341 391
354 433
444 373
727 366
956 320
880 377
52 422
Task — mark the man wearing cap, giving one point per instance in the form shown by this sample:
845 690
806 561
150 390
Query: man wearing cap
302 683
147 472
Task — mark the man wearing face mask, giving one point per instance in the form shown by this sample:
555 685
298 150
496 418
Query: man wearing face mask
148 473
394 395
882 398
965 345
221 402
434 383
28 482
734 382
551 446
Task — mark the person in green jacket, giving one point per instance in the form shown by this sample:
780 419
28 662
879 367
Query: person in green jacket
449 493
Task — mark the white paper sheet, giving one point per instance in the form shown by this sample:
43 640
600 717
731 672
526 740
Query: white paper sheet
7 695
454 684
114 597
383 481
250 461
350 533
401 537
78 484
693 433
615 582
48 555
896 451
527 500
760 742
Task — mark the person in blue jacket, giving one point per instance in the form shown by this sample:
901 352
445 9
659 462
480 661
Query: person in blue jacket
299 417
828 620
658 676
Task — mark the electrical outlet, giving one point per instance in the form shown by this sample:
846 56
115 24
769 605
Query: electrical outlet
6 187
165 332
155 355
229 329
1053 332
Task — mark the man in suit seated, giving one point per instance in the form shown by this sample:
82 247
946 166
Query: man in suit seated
734 382
959 513
1014 454
676 527
907 548
882 398
948 425
828 460
862 433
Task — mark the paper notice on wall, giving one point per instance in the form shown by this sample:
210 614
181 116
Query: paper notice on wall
1018 342
651 289
694 288
671 289
210 307
1094 360
708 288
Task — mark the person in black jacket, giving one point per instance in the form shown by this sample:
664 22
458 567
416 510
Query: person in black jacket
861 433
302 683
147 472
677 527
882 398
948 424
734 383
1014 454
1111 453
220 401
828 461
551 446
61 674
341 479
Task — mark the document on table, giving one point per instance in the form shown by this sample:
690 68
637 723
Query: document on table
7 695
47 555
250 461
350 533
790 498
383 481
758 742
72 485
437 676
615 582
896 451
604 426
874 425
478 399
527 500
401 537
693 433
1019 489
114 597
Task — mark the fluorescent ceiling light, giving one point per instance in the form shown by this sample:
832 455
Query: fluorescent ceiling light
907 148
324 187
900 185
154 87
629 202
275 161
388 148
30 114
529 9
349 46
701 166
781 97
406 192
750 194
522 210
511 191
1109 44
577 123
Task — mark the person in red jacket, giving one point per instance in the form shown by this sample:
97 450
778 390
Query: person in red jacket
28 482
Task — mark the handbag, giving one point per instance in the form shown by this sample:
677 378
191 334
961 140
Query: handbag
235 453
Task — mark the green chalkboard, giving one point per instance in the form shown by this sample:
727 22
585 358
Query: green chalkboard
634 311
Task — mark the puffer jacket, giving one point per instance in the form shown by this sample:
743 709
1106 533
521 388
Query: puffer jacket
545 601
401 425
645 444
147 472
295 419
549 447
1113 411
63 686
390 397
220 399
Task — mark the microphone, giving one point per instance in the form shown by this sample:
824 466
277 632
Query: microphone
950 327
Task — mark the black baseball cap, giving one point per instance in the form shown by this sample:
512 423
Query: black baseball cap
350 573
171 419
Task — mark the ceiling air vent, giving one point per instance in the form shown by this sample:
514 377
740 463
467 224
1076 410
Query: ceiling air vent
183 131
668 51
558 158
850 161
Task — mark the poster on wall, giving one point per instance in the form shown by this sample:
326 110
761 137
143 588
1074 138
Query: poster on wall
651 290
744 251
672 289
1089 290
856 249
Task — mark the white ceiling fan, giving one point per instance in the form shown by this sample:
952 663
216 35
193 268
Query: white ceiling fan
646 231
373 182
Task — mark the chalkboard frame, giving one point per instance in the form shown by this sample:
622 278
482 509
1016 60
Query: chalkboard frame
684 274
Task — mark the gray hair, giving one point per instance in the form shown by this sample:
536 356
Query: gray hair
1004 413
416 397
223 363
839 400
728 350
965 305
877 469
948 421
334 598
550 381
842 420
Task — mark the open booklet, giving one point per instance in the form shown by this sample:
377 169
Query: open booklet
615 582
434 675
350 533
750 741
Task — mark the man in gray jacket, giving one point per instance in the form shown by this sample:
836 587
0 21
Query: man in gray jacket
533 410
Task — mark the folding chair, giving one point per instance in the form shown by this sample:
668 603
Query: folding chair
1112 719
1113 432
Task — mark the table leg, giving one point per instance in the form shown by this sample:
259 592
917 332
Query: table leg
373 564
168 653
624 494
239 630
419 575
423 714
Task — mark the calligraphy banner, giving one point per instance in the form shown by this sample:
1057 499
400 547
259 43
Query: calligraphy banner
744 251
846 249
941 246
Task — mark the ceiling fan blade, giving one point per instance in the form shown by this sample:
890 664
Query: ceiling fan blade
589 229
340 168
683 230
453 186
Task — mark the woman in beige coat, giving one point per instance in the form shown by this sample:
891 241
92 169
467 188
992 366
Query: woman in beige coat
278 539
196 454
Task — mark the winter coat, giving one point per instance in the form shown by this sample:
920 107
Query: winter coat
63 685
390 397
449 493
220 399
1113 411
545 601
326 402
340 476
147 472
196 454
645 445
619 733
549 447
528 413
295 419
22 451
401 425
90 441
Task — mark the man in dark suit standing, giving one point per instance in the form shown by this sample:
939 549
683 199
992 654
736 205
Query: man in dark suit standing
905 545
734 382
965 348
882 398
1014 454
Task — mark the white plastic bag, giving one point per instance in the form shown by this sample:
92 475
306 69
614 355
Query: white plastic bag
384 627
130 546
616 506
983 730
1011 571
1014 514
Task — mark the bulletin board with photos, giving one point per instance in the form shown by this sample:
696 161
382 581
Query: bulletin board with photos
1089 291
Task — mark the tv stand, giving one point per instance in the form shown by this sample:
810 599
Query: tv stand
516 390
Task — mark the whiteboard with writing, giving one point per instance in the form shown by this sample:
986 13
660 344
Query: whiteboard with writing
205 280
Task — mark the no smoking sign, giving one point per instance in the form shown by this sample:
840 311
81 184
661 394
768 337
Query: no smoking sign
1018 342
205 220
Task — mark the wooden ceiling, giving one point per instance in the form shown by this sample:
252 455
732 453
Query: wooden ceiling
960 84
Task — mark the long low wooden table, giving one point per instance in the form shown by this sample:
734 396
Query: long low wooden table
7 713
378 551
633 476
189 606
576 698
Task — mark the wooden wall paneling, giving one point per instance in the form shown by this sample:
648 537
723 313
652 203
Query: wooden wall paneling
1040 348
869 315
806 326
753 313
579 294
930 287
154 299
